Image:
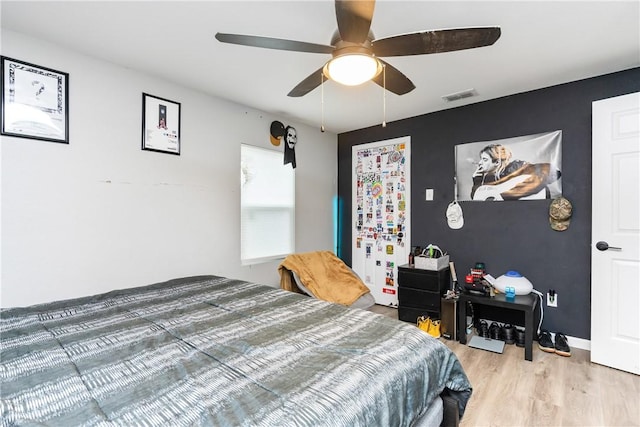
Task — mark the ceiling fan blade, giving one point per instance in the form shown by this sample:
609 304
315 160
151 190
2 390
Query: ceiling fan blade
308 84
271 43
354 19
393 80
436 41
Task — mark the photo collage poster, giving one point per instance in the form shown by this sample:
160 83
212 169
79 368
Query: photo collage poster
381 235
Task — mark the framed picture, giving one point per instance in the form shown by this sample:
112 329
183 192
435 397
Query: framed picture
160 124
35 101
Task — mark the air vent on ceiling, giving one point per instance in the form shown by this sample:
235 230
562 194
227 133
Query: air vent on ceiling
460 95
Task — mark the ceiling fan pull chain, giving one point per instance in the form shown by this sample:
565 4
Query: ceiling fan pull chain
321 103
384 96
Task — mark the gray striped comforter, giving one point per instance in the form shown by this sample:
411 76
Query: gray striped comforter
213 351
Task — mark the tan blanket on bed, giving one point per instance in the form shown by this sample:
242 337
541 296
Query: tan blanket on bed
325 275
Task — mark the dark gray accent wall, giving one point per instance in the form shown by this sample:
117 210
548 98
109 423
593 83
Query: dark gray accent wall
504 235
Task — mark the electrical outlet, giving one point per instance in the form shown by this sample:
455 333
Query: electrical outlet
552 301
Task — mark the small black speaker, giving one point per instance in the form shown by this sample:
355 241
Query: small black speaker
449 319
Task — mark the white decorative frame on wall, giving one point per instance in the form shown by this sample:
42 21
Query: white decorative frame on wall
35 101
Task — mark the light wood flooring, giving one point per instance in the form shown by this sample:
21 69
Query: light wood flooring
551 390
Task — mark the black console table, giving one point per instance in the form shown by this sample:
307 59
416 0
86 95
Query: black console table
522 303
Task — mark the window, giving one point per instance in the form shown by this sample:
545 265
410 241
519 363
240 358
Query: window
267 206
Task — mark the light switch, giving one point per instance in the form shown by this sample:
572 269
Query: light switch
428 194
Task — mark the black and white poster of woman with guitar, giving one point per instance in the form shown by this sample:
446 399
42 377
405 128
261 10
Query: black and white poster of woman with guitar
520 168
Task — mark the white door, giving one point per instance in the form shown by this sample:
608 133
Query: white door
615 272
381 207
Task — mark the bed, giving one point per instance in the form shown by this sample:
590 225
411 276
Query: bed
210 350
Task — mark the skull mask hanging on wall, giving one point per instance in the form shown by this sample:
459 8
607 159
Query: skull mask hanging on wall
278 132
290 140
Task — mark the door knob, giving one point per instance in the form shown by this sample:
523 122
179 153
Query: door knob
603 246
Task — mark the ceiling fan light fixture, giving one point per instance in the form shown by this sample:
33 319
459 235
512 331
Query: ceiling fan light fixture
352 69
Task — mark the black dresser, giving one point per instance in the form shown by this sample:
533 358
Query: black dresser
420 291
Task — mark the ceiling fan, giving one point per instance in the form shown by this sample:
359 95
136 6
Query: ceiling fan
353 47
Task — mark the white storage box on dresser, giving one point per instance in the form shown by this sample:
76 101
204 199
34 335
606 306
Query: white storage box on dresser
434 264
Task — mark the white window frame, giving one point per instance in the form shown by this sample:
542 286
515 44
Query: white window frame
270 169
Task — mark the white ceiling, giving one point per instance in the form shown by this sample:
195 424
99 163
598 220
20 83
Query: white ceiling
543 43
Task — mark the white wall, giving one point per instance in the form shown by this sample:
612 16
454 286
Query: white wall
101 214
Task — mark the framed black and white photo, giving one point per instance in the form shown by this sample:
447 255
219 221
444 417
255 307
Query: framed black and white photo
35 101
160 124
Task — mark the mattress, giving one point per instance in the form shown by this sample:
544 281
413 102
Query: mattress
210 350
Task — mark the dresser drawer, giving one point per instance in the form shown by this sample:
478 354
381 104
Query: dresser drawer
416 298
424 279
409 314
